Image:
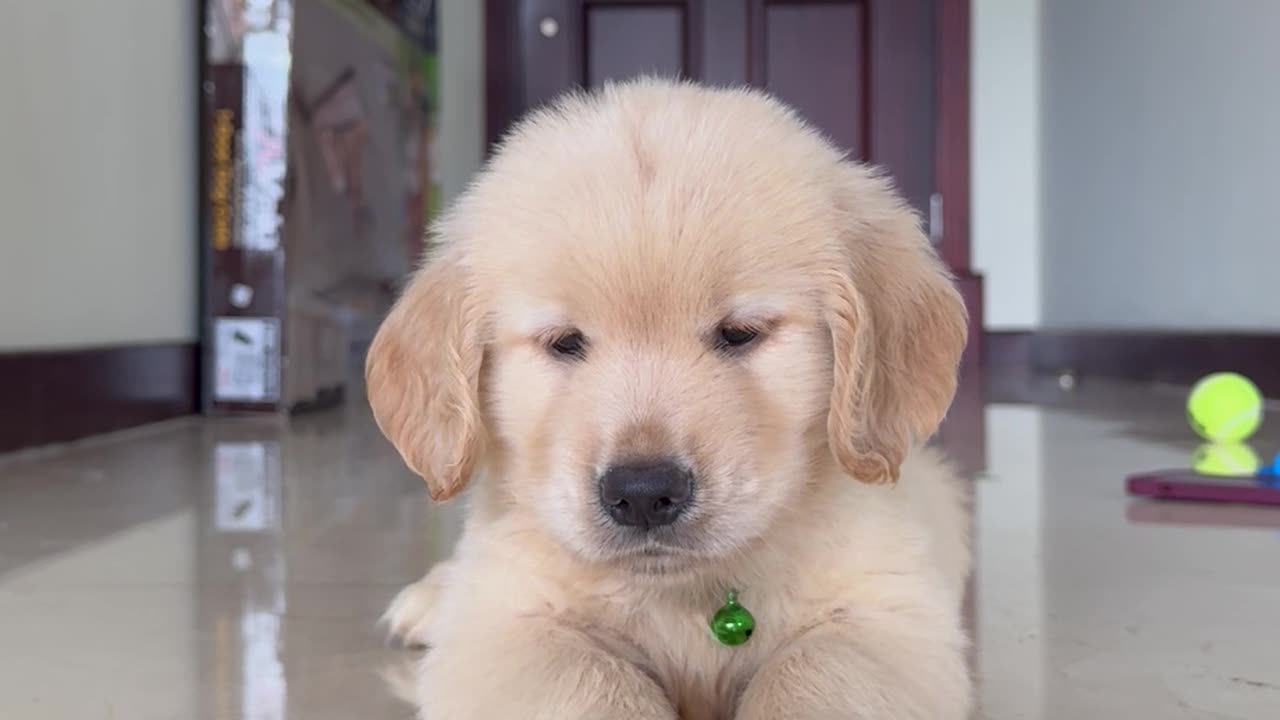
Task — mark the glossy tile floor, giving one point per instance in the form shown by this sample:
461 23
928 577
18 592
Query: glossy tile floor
226 570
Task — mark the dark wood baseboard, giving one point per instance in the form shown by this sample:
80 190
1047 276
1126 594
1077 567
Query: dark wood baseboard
63 395
1142 356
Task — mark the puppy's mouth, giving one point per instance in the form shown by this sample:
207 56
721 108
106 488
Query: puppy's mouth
652 555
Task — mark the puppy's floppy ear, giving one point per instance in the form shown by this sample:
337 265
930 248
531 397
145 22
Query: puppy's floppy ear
423 373
898 327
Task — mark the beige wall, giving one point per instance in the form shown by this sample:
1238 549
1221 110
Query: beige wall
97 173
98 165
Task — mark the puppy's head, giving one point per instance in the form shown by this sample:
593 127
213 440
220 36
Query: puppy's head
658 314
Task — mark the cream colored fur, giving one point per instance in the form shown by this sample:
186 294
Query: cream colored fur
645 217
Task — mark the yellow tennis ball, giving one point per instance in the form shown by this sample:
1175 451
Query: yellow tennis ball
1224 407
1225 459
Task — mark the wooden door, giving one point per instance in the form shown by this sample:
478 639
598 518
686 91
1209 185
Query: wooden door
861 70
887 80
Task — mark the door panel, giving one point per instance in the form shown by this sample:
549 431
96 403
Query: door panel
630 40
814 57
723 52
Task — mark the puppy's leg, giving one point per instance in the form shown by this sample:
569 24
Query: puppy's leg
534 668
410 613
847 672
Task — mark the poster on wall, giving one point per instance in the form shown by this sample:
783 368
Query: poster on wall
248 51
319 136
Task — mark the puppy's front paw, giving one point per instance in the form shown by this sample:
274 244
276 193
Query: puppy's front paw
487 666
408 619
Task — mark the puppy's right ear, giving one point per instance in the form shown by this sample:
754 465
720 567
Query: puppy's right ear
898 328
423 373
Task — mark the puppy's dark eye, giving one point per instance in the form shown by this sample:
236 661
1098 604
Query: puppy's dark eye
570 346
735 337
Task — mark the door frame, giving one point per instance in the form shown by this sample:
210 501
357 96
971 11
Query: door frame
951 151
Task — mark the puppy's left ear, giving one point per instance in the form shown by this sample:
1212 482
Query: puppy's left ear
898 327
423 375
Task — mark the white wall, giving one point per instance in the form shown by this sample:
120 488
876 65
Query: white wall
462 93
1160 153
97 173
1005 147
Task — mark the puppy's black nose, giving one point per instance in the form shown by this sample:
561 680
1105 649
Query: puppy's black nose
646 494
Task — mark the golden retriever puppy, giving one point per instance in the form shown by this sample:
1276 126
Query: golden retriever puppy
679 346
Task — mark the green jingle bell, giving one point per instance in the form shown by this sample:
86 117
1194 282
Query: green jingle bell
732 624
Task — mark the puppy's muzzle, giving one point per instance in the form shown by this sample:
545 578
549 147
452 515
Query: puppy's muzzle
646 494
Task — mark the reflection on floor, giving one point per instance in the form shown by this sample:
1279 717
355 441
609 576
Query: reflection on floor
213 570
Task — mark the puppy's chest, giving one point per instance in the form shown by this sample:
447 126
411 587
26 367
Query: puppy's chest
703 677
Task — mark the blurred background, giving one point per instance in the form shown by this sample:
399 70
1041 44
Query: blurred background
209 205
